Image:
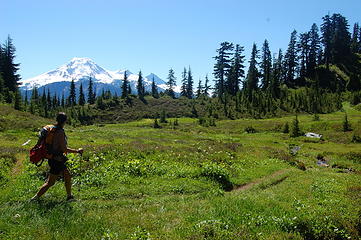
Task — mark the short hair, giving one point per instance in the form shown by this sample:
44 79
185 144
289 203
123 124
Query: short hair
61 118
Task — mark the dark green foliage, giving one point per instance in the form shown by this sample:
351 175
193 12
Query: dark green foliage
316 117
17 100
252 79
163 117
356 138
286 128
8 69
250 129
266 66
140 86
290 61
207 87
81 95
171 83
91 92
72 94
218 174
189 88
125 86
222 67
155 93
236 72
176 123
184 82
295 128
155 124
346 126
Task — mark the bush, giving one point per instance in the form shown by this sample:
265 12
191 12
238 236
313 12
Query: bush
295 130
250 129
218 174
155 124
346 126
356 138
286 128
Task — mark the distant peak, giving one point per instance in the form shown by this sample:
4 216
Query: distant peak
81 59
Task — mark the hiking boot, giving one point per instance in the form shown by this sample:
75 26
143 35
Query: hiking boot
70 198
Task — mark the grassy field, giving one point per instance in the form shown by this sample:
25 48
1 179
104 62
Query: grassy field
187 181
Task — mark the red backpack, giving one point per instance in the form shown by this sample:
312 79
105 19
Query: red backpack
42 150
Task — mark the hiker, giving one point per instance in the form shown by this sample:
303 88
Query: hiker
57 163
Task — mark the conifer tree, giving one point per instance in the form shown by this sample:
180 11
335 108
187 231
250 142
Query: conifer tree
253 74
326 30
140 86
346 126
125 85
222 67
355 38
91 93
171 83
199 89
266 66
190 84
81 95
291 61
48 99
295 129
72 95
314 49
277 76
341 39
184 83
206 87
303 47
155 93
236 72
17 100
8 67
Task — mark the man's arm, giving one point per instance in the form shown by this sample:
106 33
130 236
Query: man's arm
70 150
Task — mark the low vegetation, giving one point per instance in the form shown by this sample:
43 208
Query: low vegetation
236 179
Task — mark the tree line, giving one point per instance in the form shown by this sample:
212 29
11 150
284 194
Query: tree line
305 78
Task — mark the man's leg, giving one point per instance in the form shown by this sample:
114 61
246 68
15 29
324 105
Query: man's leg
49 182
67 181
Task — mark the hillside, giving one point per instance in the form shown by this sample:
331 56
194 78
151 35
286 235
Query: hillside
191 182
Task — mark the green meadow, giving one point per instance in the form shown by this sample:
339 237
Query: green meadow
187 181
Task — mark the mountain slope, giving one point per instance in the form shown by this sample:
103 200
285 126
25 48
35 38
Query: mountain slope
81 70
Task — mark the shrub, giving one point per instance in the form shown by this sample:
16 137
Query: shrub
316 117
356 138
346 126
155 124
295 130
217 173
163 117
250 129
286 128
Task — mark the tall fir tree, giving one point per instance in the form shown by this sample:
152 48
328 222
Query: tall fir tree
252 79
171 83
222 67
125 86
8 67
184 83
91 93
207 87
72 94
341 39
266 66
303 48
355 38
81 95
236 72
189 84
155 93
290 61
199 89
277 75
140 86
314 49
17 100
326 30
48 100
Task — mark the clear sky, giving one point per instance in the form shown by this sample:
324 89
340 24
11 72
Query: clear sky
153 35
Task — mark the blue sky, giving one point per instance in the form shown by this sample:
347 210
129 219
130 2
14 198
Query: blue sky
153 35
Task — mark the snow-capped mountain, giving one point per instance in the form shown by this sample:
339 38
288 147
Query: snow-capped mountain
81 70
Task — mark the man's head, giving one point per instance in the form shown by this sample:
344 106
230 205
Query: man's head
61 119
